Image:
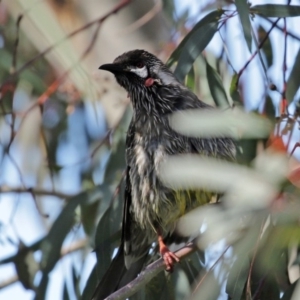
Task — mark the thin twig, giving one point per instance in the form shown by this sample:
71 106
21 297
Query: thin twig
151 271
283 106
15 51
210 269
248 286
292 35
54 86
65 251
100 20
256 52
144 19
37 192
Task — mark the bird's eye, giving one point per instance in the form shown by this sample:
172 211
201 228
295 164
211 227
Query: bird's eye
140 65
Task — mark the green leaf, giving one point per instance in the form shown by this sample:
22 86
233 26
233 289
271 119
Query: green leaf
103 248
41 291
212 17
66 292
22 251
160 287
7 94
293 82
116 163
90 285
108 232
88 216
193 48
35 80
243 10
193 265
6 59
208 288
269 108
289 293
233 90
26 266
190 80
76 279
237 277
267 47
51 245
246 151
276 10
216 87
233 84
182 286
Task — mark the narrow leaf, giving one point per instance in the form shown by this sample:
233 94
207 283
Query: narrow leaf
243 10
216 87
190 80
233 90
214 16
276 10
51 245
88 216
193 48
237 277
269 108
116 163
267 47
66 292
293 82
90 285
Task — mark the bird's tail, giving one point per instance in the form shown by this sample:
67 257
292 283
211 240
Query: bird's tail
117 275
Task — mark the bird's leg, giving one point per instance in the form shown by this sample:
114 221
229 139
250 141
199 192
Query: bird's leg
168 256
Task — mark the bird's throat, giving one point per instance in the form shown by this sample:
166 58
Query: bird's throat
149 82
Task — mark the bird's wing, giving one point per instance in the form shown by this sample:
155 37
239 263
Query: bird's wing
220 147
129 260
134 240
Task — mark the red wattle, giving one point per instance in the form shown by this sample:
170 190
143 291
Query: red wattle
149 82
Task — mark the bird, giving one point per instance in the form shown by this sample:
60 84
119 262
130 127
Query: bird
152 209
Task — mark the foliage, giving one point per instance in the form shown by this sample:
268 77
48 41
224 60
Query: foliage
255 231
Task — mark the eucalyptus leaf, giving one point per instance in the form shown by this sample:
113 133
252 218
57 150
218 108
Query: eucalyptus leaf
212 17
293 82
276 10
26 266
116 163
216 123
216 87
243 10
88 216
193 48
51 245
90 285
238 276
190 80
65 292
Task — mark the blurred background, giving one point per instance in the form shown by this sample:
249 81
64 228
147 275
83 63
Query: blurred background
62 133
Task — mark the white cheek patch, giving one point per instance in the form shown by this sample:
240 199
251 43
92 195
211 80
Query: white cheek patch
142 72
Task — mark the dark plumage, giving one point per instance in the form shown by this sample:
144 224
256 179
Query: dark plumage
151 209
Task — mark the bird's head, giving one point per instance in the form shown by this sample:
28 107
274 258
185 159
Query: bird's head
139 71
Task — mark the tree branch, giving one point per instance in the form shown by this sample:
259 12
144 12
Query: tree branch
150 272
65 251
38 192
256 52
100 20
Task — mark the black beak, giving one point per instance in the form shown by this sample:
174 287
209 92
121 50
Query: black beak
114 68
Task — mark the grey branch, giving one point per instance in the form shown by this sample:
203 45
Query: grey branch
150 272
65 251
38 192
